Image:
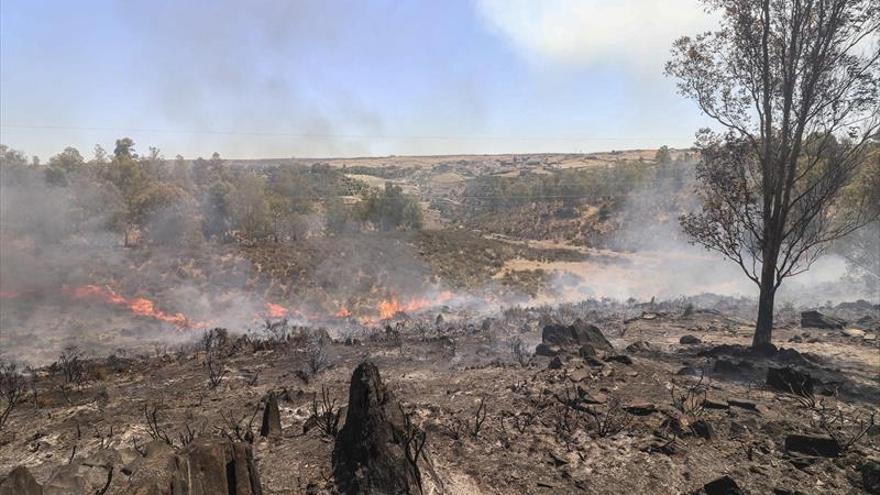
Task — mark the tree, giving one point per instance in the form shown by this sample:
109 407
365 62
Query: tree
794 84
124 148
133 187
663 156
67 162
100 155
860 248
250 207
391 209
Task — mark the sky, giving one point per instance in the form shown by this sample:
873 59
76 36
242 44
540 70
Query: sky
323 78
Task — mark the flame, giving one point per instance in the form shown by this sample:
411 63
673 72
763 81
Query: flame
276 310
8 294
389 307
343 313
138 305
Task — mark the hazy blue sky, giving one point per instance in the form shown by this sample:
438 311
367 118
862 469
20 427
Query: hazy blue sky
327 78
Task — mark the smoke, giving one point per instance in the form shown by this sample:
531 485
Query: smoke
652 257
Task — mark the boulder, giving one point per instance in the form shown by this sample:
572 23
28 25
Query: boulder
724 485
20 482
271 418
689 340
575 335
812 445
371 455
555 363
815 319
790 380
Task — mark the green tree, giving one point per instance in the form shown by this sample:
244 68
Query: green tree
663 156
798 102
250 206
67 162
391 209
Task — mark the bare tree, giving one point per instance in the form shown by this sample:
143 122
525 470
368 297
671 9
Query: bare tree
13 389
795 85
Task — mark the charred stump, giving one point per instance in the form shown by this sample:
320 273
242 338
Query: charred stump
271 418
374 450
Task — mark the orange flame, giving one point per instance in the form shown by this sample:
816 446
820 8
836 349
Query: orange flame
276 310
388 308
139 305
343 313
8 294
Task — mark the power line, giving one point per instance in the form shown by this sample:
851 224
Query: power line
330 135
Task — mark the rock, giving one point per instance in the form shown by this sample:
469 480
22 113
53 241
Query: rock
870 477
689 371
271 418
812 445
641 346
689 340
790 380
546 350
576 334
743 404
815 319
641 409
555 363
785 491
619 358
728 367
854 332
65 480
587 351
722 486
703 429
791 356
669 448
593 361
797 339
20 482
710 404
205 467
371 455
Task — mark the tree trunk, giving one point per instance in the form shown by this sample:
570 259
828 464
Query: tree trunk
762 341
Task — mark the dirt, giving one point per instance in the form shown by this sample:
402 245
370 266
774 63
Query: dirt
528 442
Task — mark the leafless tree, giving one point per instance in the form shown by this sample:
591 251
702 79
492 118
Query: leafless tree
238 429
795 85
316 353
216 367
326 414
13 389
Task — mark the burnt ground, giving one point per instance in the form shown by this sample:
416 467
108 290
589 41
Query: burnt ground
593 425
